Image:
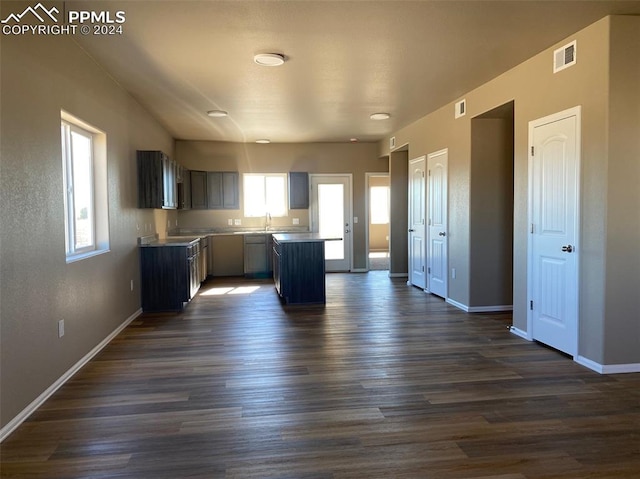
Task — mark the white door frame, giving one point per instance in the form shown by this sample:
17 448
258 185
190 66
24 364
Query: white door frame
571 112
423 230
349 208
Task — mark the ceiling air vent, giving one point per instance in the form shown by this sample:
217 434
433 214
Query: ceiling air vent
564 57
392 142
461 108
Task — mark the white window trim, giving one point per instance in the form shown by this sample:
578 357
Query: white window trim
99 197
285 194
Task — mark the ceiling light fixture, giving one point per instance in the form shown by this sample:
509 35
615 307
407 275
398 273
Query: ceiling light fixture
353 140
217 113
380 116
263 141
269 59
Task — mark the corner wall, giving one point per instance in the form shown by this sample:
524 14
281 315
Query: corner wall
538 92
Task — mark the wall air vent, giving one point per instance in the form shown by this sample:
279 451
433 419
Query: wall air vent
461 108
392 142
564 57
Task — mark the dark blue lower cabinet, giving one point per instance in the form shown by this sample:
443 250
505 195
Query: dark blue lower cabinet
298 271
169 277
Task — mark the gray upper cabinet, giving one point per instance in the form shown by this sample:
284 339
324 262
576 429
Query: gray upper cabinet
157 180
184 188
298 190
198 190
215 190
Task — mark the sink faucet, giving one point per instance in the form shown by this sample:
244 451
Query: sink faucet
267 221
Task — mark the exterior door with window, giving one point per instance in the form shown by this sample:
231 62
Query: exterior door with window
331 217
553 260
417 233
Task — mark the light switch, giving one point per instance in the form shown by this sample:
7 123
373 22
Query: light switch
355 219
296 221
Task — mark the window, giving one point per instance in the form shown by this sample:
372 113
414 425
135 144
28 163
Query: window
265 194
379 205
85 189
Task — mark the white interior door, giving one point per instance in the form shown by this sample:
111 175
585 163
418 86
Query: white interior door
417 232
553 261
437 260
331 217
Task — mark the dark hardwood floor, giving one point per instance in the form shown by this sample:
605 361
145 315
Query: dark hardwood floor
384 382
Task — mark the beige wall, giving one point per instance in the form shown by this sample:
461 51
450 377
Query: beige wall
606 282
491 211
354 158
622 253
398 237
41 76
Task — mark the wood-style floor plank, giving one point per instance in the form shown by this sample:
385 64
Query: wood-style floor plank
384 381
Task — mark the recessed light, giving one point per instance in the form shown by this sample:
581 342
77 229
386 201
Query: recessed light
269 59
380 116
217 113
263 141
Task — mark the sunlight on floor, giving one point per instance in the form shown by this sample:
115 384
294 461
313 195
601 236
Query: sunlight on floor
219 291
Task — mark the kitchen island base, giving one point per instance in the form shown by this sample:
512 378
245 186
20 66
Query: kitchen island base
299 270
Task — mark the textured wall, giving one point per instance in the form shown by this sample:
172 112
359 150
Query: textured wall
41 75
538 92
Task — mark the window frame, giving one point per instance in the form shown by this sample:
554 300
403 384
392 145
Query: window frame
373 217
99 214
246 191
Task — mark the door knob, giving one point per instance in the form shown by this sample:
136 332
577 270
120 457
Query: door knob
567 249
442 233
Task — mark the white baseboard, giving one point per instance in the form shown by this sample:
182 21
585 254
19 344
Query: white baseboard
458 305
36 403
398 275
491 309
521 333
480 309
608 369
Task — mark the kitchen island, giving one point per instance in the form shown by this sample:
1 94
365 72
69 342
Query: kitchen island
298 267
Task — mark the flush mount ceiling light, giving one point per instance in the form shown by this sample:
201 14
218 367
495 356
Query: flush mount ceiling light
269 59
264 141
217 113
380 116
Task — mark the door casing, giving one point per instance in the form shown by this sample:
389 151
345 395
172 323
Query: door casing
565 114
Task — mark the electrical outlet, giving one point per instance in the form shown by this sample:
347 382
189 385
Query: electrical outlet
453 273
296 221
230 222
237 222
61 328
131 285
355 219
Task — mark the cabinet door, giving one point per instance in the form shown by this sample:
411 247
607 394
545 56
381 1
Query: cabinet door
169 182
198 190
230 191
222 190
184 190
298 190
255 254
150 179
214 190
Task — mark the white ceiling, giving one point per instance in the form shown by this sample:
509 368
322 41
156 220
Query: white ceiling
345 60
